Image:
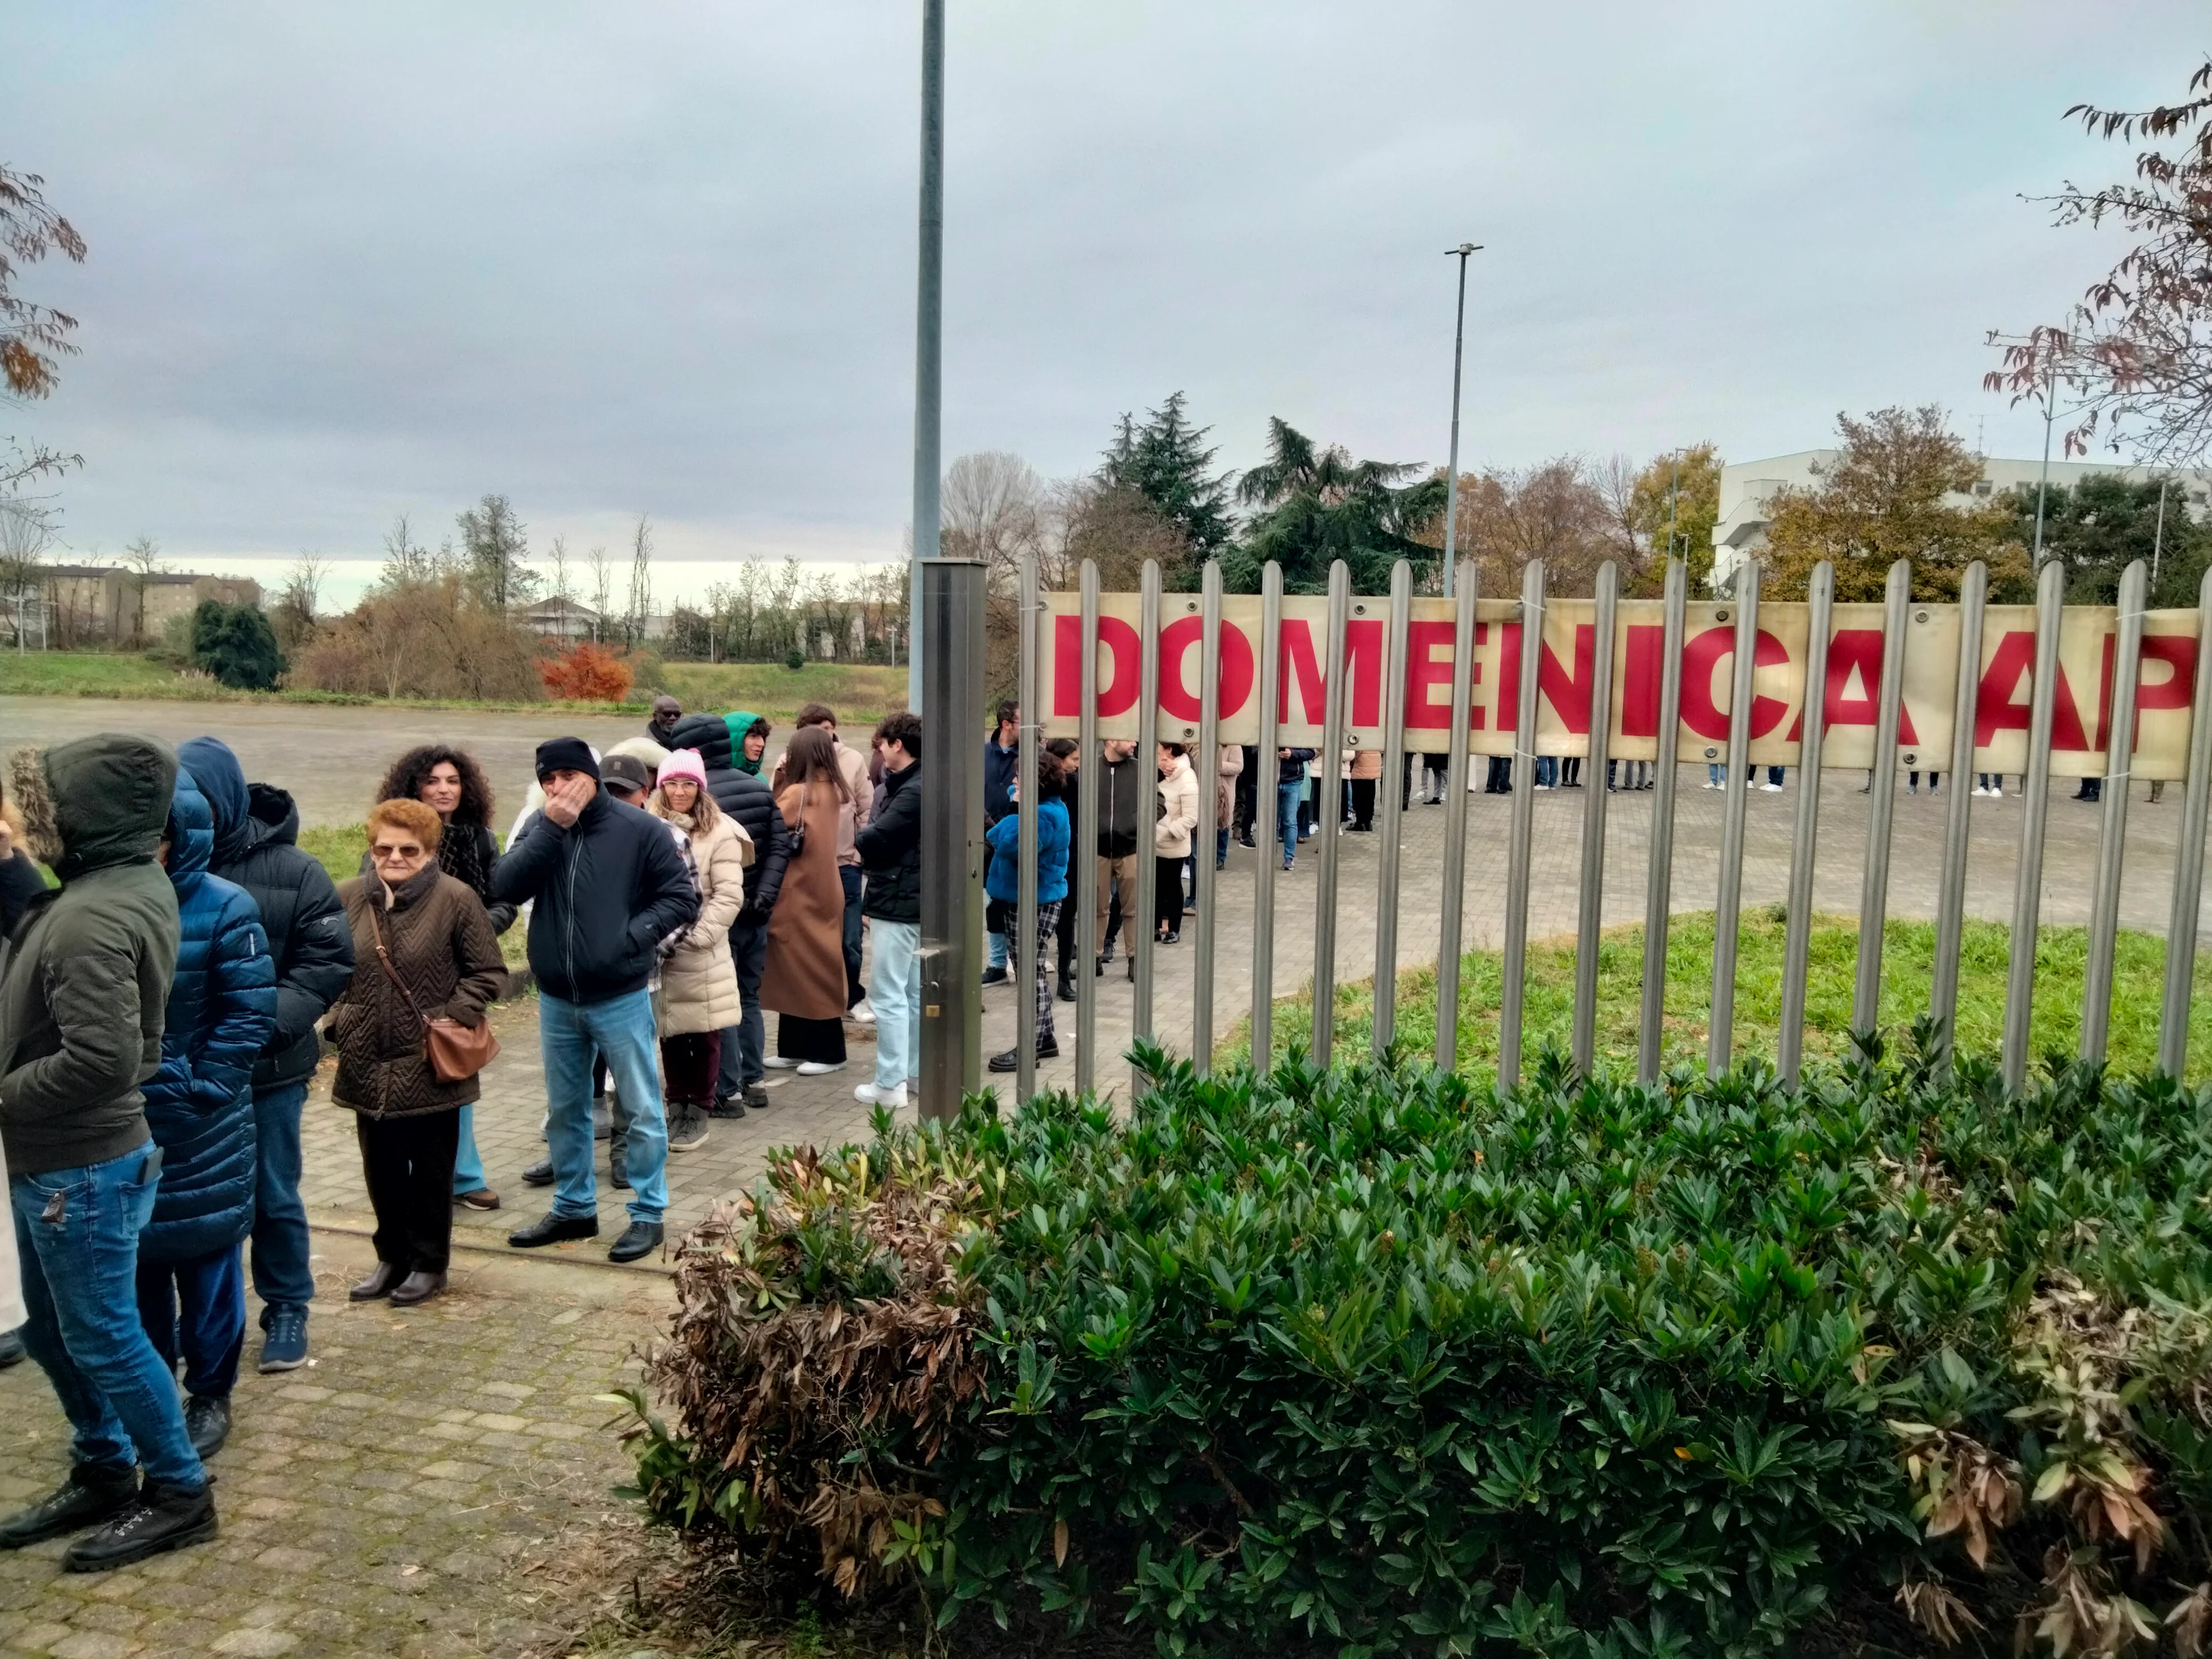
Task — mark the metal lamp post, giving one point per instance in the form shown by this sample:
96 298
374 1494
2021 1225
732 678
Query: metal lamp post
1452 466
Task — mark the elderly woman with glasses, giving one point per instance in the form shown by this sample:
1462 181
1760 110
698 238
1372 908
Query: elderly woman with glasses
423 949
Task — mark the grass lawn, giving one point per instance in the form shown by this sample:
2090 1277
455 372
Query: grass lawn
99 674
1908 958
861 693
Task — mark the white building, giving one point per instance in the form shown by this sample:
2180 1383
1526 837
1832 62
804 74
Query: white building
1747 488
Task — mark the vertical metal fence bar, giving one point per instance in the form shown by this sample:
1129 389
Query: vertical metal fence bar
1329 809
2189 857
2113 833
1023 956
1207 764
2034 810
1951 898
1264 798
1455 872
1091 777
1805 831
1520 847
1727 908
1589 914
1390 806
1659 882
1139 926
1881 799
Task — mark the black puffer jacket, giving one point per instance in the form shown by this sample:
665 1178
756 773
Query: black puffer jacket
256 830
606 890
748 799
890 847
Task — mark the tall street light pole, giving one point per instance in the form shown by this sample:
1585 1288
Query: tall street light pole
929 336
1451 467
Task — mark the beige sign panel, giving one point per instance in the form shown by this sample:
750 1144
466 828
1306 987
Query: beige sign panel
2088 645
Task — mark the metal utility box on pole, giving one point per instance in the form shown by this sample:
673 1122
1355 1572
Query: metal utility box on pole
951 621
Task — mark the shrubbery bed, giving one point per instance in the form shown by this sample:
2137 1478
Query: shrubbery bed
1376 1361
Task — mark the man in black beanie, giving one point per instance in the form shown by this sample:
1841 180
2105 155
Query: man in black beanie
607 885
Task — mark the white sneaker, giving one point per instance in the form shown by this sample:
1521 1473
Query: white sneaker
819 1067
861 1011
778 1063
868 1095
1771 788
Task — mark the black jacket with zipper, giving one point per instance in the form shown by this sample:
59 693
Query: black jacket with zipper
748 799
1123 789
890 847
604 891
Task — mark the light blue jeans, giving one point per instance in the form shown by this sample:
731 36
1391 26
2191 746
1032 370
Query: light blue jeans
1287 797
621 1030
468 1163
77 1231
895 993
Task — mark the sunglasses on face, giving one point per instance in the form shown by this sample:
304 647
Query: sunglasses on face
386 853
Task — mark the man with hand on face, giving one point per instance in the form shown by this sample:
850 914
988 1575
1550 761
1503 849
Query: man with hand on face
608 885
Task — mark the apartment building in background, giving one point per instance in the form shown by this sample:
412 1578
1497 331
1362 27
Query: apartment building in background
1748 487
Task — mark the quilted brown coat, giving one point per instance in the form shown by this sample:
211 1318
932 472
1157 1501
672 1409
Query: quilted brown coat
441 945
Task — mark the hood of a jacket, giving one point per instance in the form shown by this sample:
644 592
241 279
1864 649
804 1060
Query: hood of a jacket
95 803
221 780
707 734
737 723
191 835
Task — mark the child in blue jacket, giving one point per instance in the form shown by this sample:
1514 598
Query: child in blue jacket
1002 885
199 1106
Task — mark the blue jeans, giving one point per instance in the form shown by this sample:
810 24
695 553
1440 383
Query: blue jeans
1220 846
1716 772
621 1029
894 991
281 1275
744 1045
1287 799
998 943
1547 770
468 1162
848 876
195 1311
77 1231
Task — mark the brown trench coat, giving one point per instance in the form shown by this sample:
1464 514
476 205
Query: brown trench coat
805 974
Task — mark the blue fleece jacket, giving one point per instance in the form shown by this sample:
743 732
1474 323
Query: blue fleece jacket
222 1008
1003 881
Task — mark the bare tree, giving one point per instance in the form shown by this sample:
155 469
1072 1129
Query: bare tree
32 337
641 581
405 563
603 588
142 559
557 556
26 532
301 597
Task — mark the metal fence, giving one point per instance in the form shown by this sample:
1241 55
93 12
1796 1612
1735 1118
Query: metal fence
2178 745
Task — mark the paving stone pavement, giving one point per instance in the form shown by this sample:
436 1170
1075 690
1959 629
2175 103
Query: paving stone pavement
402 1498
822 1110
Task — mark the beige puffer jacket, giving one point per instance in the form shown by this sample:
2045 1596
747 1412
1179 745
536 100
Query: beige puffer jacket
1178 812
699 983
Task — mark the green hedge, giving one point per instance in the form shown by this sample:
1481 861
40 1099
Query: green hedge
1376 1361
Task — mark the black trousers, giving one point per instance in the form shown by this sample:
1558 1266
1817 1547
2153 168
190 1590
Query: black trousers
1247 797
409 1165
1167 895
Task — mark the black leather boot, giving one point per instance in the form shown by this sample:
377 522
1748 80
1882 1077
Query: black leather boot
164 1518
87 1497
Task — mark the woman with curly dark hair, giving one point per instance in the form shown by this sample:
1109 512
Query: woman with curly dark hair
450 783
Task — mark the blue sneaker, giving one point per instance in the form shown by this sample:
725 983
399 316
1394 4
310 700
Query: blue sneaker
284 1340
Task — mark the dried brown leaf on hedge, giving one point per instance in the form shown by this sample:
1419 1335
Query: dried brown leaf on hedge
2190 1621
1934 1608
1965 1486
2080 1612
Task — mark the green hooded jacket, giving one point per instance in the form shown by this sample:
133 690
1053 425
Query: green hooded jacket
740 722
87 981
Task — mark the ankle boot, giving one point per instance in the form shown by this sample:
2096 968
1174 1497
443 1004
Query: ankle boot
165 1517
377 1285
87 1497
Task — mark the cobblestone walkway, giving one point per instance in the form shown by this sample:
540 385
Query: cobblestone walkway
412 1494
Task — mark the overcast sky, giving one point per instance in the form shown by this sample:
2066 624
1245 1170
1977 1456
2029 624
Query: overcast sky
350 261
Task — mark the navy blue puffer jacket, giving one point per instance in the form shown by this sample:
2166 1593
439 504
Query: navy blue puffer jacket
222 1008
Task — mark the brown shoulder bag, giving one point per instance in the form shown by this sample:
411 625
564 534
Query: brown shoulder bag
456 1052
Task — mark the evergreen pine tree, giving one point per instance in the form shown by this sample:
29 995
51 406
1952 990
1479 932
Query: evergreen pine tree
1167 462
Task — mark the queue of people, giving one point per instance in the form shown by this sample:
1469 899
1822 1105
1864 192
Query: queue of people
174 967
